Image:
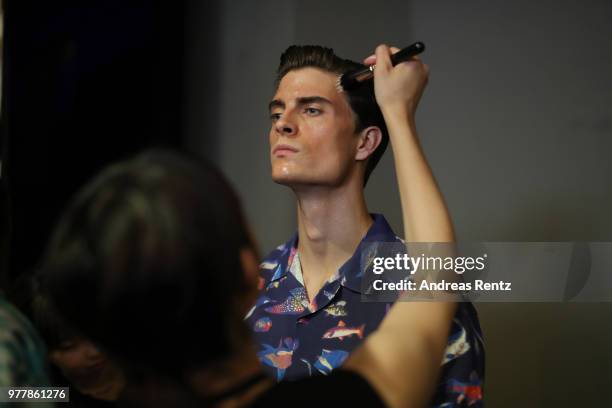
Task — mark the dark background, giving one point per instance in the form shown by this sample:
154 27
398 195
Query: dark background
85 83
516 122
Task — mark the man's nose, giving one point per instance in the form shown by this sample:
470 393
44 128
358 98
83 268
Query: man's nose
285 126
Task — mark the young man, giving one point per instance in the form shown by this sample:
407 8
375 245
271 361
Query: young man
324 144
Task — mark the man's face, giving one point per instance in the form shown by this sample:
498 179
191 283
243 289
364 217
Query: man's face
312 137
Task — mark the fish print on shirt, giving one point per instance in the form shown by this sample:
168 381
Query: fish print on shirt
262 325
330 360
338 309
467 393
295 304
279 357
262 300
342 330
457 344
327 361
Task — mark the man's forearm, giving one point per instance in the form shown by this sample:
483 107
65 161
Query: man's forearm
425 215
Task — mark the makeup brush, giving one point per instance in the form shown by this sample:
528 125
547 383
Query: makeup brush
352 79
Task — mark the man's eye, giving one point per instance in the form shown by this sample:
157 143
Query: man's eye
312 111
275 116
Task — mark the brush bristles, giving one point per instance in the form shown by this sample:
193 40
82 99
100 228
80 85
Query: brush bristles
346 82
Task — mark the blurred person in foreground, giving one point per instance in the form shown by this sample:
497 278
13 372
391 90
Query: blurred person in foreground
153 261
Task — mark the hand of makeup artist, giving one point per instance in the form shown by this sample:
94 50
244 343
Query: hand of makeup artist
398 88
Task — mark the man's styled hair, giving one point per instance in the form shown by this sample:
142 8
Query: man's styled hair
362 99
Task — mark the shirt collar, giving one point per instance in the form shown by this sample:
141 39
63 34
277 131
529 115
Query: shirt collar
350 273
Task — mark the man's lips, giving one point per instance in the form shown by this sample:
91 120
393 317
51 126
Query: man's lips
283 149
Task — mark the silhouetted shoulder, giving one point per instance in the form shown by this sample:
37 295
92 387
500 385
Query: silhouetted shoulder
341 388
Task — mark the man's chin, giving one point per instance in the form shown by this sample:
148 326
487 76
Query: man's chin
283 180
288 179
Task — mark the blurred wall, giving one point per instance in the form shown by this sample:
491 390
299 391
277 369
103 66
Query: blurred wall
516 122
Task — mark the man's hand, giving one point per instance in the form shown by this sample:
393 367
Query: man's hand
398 89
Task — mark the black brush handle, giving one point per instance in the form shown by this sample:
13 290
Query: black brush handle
406 53
352 79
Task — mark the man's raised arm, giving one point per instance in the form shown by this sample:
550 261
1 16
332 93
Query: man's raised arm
402 358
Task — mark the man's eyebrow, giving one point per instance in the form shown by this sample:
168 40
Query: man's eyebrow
304 100
276 103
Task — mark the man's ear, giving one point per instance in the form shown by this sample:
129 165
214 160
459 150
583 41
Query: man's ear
369 139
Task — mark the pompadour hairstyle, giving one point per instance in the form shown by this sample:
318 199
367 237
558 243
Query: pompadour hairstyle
362 99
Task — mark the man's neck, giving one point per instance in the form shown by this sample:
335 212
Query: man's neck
331 223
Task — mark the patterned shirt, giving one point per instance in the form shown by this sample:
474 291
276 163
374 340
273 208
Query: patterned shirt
297 337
